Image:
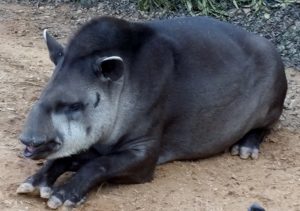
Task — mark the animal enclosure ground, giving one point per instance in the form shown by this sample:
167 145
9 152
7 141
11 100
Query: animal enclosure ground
219 183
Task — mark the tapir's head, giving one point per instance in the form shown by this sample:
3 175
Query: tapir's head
78 106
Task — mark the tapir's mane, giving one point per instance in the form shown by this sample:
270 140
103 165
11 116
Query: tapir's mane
104 34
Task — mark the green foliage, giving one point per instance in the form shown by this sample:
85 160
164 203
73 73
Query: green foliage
206 7
151 4
217 8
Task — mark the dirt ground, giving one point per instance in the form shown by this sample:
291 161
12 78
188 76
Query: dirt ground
219 183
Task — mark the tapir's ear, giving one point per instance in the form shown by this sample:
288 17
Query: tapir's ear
56 50
111 67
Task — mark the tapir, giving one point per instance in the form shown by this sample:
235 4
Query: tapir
127 96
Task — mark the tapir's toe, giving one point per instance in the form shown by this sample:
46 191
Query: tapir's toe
245 151
235 150
54 202
69 203
45 192
25 188
248 146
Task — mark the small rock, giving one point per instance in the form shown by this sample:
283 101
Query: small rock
267 16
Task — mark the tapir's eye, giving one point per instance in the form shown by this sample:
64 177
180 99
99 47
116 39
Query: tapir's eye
75 107
69 108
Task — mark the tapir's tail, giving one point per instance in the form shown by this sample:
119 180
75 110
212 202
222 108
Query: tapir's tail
256 207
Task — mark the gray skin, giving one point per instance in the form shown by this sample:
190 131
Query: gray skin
256 207
125 97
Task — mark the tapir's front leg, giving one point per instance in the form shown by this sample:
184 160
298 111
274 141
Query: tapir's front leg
133 164
46 176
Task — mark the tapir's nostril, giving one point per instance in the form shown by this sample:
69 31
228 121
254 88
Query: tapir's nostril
32 141
25 141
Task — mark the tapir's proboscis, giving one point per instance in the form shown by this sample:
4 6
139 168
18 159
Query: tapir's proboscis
127 96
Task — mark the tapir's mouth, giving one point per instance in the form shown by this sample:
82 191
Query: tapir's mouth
42 150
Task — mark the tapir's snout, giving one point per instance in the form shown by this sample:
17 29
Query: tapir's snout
39 146
38 135
33 140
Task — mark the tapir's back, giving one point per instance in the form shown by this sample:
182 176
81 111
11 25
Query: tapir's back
212 42
206 28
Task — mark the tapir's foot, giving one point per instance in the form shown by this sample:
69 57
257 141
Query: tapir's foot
42 181
55 202
67 195
35 184
44 191
248 146
245 151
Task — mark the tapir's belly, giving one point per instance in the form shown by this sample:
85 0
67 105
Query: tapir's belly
211 125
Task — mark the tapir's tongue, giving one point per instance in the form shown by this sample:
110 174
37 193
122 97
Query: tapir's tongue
30 148
29 151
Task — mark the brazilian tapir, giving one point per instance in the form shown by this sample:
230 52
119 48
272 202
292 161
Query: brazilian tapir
127 96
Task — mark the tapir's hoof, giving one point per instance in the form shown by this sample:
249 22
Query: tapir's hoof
25 188
45 192
245 152
54 202
69 203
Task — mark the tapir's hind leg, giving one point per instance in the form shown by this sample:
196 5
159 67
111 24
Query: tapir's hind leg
248 146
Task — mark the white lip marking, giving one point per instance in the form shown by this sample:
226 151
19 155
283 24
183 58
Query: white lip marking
73 132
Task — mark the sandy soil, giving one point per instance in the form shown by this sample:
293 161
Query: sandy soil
219 183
